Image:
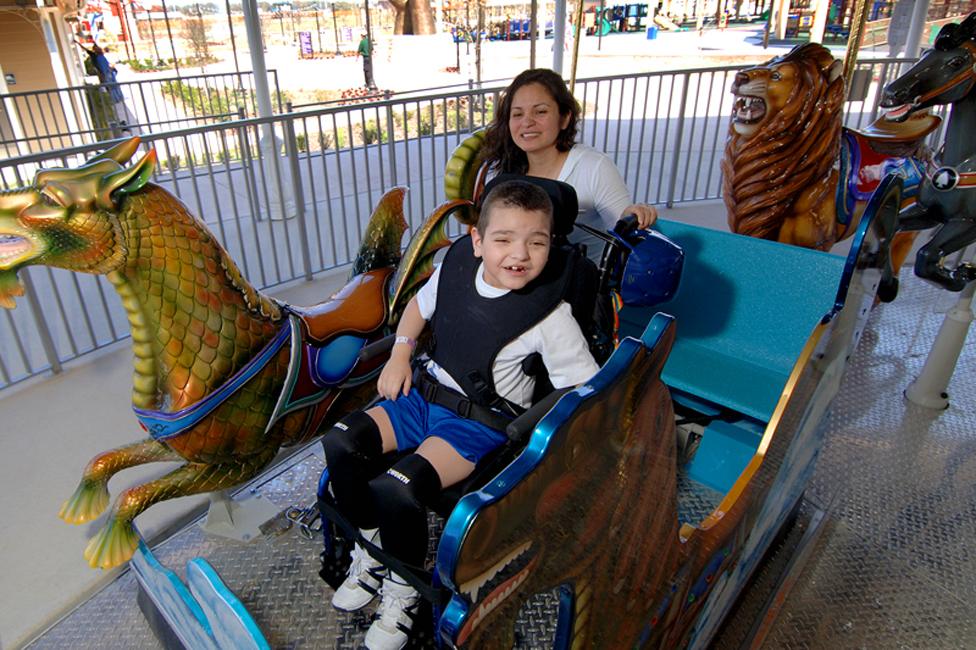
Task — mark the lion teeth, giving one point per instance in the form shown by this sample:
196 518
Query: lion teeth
748 108
473 586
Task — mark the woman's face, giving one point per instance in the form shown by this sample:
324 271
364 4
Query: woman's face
534 121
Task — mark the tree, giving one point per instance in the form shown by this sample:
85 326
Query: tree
195 32
412 17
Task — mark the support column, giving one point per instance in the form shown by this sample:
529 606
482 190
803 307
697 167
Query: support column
559 36
51 42
533 28
275 173
930 388
821 9
781 14
914 40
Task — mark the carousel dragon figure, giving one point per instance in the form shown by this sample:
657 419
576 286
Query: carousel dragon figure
224 375
791 172
946 74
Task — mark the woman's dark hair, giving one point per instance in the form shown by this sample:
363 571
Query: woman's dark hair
499 149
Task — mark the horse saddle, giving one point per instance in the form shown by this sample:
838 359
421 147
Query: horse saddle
915 127
863 167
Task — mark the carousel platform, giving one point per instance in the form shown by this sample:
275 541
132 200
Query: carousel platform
880 555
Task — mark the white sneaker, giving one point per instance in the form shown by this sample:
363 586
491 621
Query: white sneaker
363 580
391 630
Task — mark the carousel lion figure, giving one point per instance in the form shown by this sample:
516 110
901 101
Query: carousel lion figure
779 177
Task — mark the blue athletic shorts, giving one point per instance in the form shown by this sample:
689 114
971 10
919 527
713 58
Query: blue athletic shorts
414 420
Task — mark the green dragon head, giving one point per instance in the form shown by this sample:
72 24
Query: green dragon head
68 218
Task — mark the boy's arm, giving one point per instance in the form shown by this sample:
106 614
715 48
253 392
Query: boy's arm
396 377
564 349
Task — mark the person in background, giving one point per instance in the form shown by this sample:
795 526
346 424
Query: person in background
105 70
534 133
366 51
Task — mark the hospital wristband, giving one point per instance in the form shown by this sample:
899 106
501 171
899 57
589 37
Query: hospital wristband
406 340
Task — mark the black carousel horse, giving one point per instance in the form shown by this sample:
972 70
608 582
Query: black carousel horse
945 74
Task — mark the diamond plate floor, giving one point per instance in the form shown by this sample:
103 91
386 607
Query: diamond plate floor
893 569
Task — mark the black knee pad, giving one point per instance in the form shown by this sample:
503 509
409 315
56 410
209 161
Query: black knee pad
353 455
399 497
357 434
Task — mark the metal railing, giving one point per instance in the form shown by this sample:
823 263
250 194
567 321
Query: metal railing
45 120
289 196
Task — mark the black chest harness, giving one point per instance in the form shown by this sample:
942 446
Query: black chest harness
469 331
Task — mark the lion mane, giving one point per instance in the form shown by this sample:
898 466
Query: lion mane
784 166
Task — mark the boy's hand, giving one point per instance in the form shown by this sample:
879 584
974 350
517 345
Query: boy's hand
397 375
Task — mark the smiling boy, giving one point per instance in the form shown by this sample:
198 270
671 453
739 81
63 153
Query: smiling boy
492 302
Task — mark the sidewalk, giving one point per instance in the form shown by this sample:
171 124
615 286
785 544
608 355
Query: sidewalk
403 63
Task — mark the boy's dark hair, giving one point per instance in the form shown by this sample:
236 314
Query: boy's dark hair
516 194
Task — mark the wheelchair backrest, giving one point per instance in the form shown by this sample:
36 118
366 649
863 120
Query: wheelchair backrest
565 205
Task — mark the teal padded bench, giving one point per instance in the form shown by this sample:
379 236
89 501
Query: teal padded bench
745 307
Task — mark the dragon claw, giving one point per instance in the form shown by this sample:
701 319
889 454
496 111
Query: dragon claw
10 288
87 503
113 545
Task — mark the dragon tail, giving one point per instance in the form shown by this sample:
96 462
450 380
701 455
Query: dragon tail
463 178
381 241
418 260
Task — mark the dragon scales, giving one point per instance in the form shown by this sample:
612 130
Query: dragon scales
222 377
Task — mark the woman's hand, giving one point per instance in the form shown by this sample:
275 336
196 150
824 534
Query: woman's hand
646 214
397 376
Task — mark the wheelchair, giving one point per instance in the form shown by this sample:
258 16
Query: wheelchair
594 293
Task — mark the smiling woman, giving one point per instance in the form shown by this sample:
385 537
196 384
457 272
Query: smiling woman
534 133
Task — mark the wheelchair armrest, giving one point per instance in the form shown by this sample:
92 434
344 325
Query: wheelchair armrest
376 348
522 426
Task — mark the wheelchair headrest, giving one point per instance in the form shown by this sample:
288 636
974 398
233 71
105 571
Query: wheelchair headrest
653 269
565 206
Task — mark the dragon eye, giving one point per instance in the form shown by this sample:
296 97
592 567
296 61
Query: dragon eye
956 62
776 76
54 196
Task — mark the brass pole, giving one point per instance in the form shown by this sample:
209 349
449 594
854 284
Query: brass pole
576 42
858 18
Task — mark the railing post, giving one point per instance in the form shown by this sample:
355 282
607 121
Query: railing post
277 90
470 103
677 146
391 141
291 149
43 331
250 182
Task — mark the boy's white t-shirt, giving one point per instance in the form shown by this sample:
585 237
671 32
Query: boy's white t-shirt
557 338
